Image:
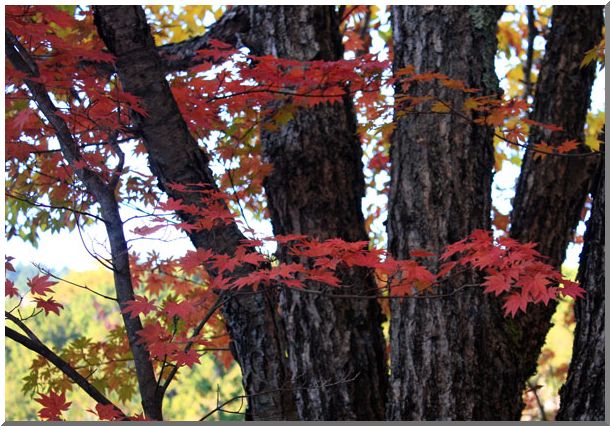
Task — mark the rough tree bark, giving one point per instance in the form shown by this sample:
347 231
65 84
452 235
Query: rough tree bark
444 350
582 397
175 157
336 349
551 191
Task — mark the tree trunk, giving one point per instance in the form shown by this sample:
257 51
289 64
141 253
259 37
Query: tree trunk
582 397
551 191
444 350
336 350
175 157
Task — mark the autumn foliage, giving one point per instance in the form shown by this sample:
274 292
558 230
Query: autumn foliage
226 99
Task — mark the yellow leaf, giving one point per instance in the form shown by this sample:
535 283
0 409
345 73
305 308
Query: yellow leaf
440 107
470 103
595 123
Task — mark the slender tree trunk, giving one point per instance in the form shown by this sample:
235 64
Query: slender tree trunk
444 351
336 350
551 191
582 397
104 194
175 157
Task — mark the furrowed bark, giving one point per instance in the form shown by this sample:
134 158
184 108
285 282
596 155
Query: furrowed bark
551 191
445 350
104 195
175 157
582 397
336 349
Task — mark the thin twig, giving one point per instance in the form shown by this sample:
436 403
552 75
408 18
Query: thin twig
217 304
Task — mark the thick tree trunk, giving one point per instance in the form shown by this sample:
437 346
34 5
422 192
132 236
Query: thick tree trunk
551 191
444 351
582 397
336 350
175 157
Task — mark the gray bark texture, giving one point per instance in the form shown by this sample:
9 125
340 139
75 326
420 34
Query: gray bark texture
175 157
582 397
551 191
444 351
336 349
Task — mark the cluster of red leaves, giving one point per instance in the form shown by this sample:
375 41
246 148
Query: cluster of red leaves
39 285
52 405
512 269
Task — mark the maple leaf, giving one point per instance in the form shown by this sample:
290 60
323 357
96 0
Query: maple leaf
536 285
152 332
140 305
496 283
48 305
180 309
548 126
53 404
572 289
515 302
568 146
326 277
440 107
41 284
9 289
107 412
189 358
420 253
542 149
446 268
8 266
147 230
403 288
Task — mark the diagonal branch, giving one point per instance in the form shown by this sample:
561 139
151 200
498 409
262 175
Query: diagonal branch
232 28
219 302
34 344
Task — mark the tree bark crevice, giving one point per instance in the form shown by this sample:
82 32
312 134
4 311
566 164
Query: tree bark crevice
336 350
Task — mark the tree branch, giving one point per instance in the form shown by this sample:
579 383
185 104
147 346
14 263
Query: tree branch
231 29
104 194
34 344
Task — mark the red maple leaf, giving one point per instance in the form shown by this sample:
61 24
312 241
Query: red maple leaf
572 289
9 289
140 305
53 404
189 358
147 230
497 283
179 309
568 146
41 284
48 305
515 302
420 253
107 412
536 285
7 263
